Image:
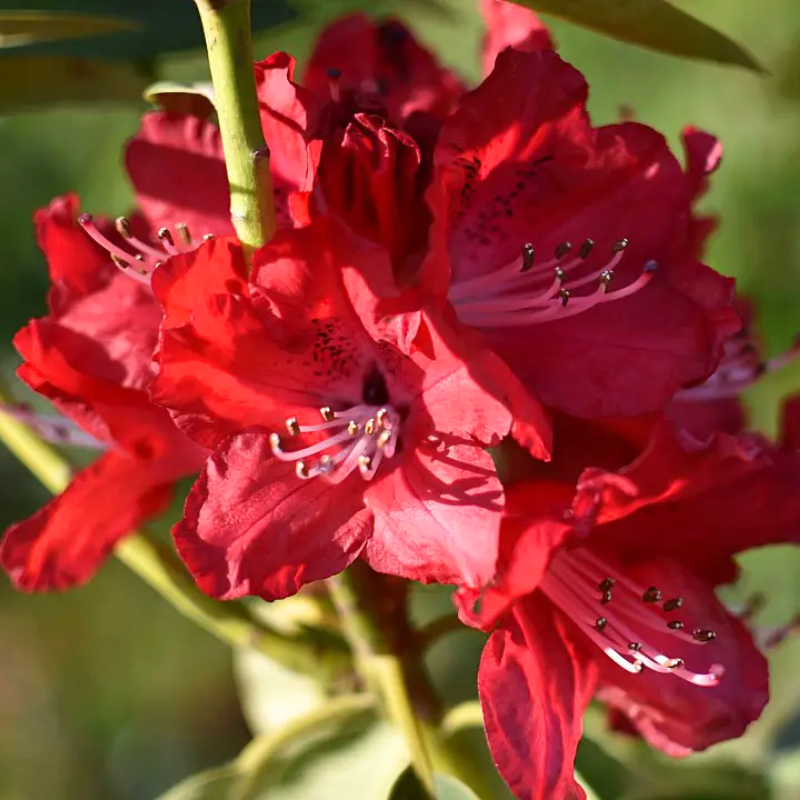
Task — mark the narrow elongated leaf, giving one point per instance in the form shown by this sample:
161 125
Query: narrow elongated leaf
28 27
29 82
655 24
445 787
152 27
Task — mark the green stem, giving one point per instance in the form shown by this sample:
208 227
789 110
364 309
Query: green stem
391 666
226 24
230 622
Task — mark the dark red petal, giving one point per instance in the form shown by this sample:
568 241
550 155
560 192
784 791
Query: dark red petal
437 516
651 345
533 528
511 25
370 179
177 169
64 543
77 265
382 61
703 157
677 716
534 686
252 527
790 423
700 502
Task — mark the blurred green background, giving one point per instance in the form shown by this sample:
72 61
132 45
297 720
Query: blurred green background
107 694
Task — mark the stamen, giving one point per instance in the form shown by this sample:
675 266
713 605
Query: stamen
334 84
632 618
144 258
350 444
522 293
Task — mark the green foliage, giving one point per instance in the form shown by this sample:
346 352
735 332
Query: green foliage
656 24
149 28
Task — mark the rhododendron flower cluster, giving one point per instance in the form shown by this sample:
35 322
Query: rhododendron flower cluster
481 350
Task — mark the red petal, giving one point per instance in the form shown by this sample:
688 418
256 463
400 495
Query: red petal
64 543
252 527
77 265
238 362
790 423
371 181
533 528
437 516
672 714
534 687
290 117
182 283
383 60
177 168
511 25
702 502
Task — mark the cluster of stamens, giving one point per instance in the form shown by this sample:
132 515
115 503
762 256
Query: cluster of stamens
616 615
141 258
527 293
741 367
360 438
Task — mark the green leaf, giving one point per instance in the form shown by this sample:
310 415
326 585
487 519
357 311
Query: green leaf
272 695
185 98
19 28
213 784
29 81
445 787
655 24
147 29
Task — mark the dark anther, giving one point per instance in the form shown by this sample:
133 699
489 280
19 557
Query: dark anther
672 605
563 296
333 73
652 595
601 623
123 227
605 278
605 585
650 266
620 245
635 646
563 249
375 392
85 219
561 276
606 598
527 256
704 636
586 248
675 625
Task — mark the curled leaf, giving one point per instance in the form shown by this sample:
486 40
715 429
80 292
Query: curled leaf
655 24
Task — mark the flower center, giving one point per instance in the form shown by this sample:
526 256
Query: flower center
141 259
623 618
526 293
360 438
741 367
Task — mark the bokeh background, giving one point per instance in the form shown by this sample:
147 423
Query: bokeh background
107 694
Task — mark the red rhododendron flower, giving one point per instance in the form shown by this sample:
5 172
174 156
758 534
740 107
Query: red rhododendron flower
605 587
92 357
567 246
335 436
